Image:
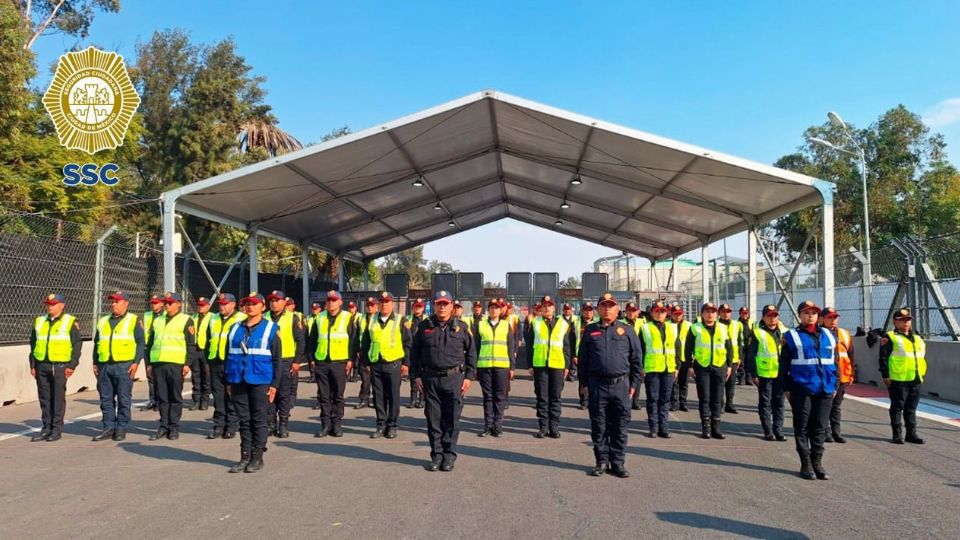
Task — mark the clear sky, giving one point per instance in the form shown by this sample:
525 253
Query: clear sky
740 77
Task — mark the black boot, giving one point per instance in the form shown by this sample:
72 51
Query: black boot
704 429
271 428
242 464
636 405
806 469
837 438
715 429
897 435
663 432
912 436
283 429
683 407
256 461
816 460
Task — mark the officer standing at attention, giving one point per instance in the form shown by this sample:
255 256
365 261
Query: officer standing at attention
763 366
633 320
156 310
709 349
224 413
117 350
385 351
550 349
736 339
358 374
903 365
678 398
413 321
746 335
171 346
610 369
333 345
828 319
199 376
659 343
291 332
586 317
253 367
443 362
808 373
496 351
475 318
362 365
54 355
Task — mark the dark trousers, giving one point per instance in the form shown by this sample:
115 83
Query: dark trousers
286 395
609 406
709 390
494 383
770 405
252 407
365 380
811 416
730 387
332 381
152 388
415 394
835 408
548 386
904 399
169 393
659 386
200 381
385 379
680 386
442 406
52 393
116 394
224 411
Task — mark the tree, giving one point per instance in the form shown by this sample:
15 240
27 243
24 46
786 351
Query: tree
70 17
571 282
492 285
410 262
440 267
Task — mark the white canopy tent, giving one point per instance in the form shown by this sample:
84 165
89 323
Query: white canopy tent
489 156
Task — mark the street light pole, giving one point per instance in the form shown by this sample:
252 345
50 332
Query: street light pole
867 266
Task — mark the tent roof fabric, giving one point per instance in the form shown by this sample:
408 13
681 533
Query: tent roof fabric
490 156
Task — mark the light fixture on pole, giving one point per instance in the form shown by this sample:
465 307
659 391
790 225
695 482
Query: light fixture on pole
861 156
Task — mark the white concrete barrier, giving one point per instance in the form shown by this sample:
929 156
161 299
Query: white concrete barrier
943 367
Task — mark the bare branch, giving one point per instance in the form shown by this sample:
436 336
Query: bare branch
44 25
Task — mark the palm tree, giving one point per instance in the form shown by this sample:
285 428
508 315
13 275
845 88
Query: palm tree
264 133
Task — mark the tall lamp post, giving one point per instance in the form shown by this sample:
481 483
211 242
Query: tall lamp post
859 153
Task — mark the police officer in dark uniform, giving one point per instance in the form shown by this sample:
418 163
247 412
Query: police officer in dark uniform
416 317
253 369
610 371
443 363
362 322
54 355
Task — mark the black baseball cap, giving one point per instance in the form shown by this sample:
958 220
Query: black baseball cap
807 305
902 314
770 308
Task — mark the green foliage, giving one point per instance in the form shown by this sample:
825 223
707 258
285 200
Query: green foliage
69 17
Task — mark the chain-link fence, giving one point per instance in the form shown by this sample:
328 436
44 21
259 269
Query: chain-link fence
40 255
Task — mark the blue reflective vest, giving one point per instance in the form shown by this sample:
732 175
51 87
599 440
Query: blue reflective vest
812 364
250 359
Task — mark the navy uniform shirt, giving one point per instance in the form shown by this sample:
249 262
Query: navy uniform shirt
609 351
442 346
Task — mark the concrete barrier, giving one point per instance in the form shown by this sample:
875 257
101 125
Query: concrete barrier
17 386
943 368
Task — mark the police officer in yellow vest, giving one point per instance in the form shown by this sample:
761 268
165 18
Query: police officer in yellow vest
315 309
551 343
678 397
709 349
362 321
634 320
762 362
746 332
293 339
496 354
660 344
332 346
156 310
225 420
172 346
54 354
735 331
199 376
385 347
118 347
358 374
903 365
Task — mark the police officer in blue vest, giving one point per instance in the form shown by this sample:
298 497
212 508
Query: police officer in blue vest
808 373
254 368
443 362
610 372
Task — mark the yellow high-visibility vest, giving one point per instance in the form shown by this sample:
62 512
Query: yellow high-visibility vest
53 341
288 345
386 341
119 343
169 343
335 338
494 351
908 359
219 331
709 350
548 346
659 354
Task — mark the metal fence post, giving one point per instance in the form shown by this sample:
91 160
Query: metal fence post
98 274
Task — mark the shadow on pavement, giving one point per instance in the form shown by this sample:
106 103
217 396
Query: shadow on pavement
350 451
742 528
163 450
516 457
696 458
